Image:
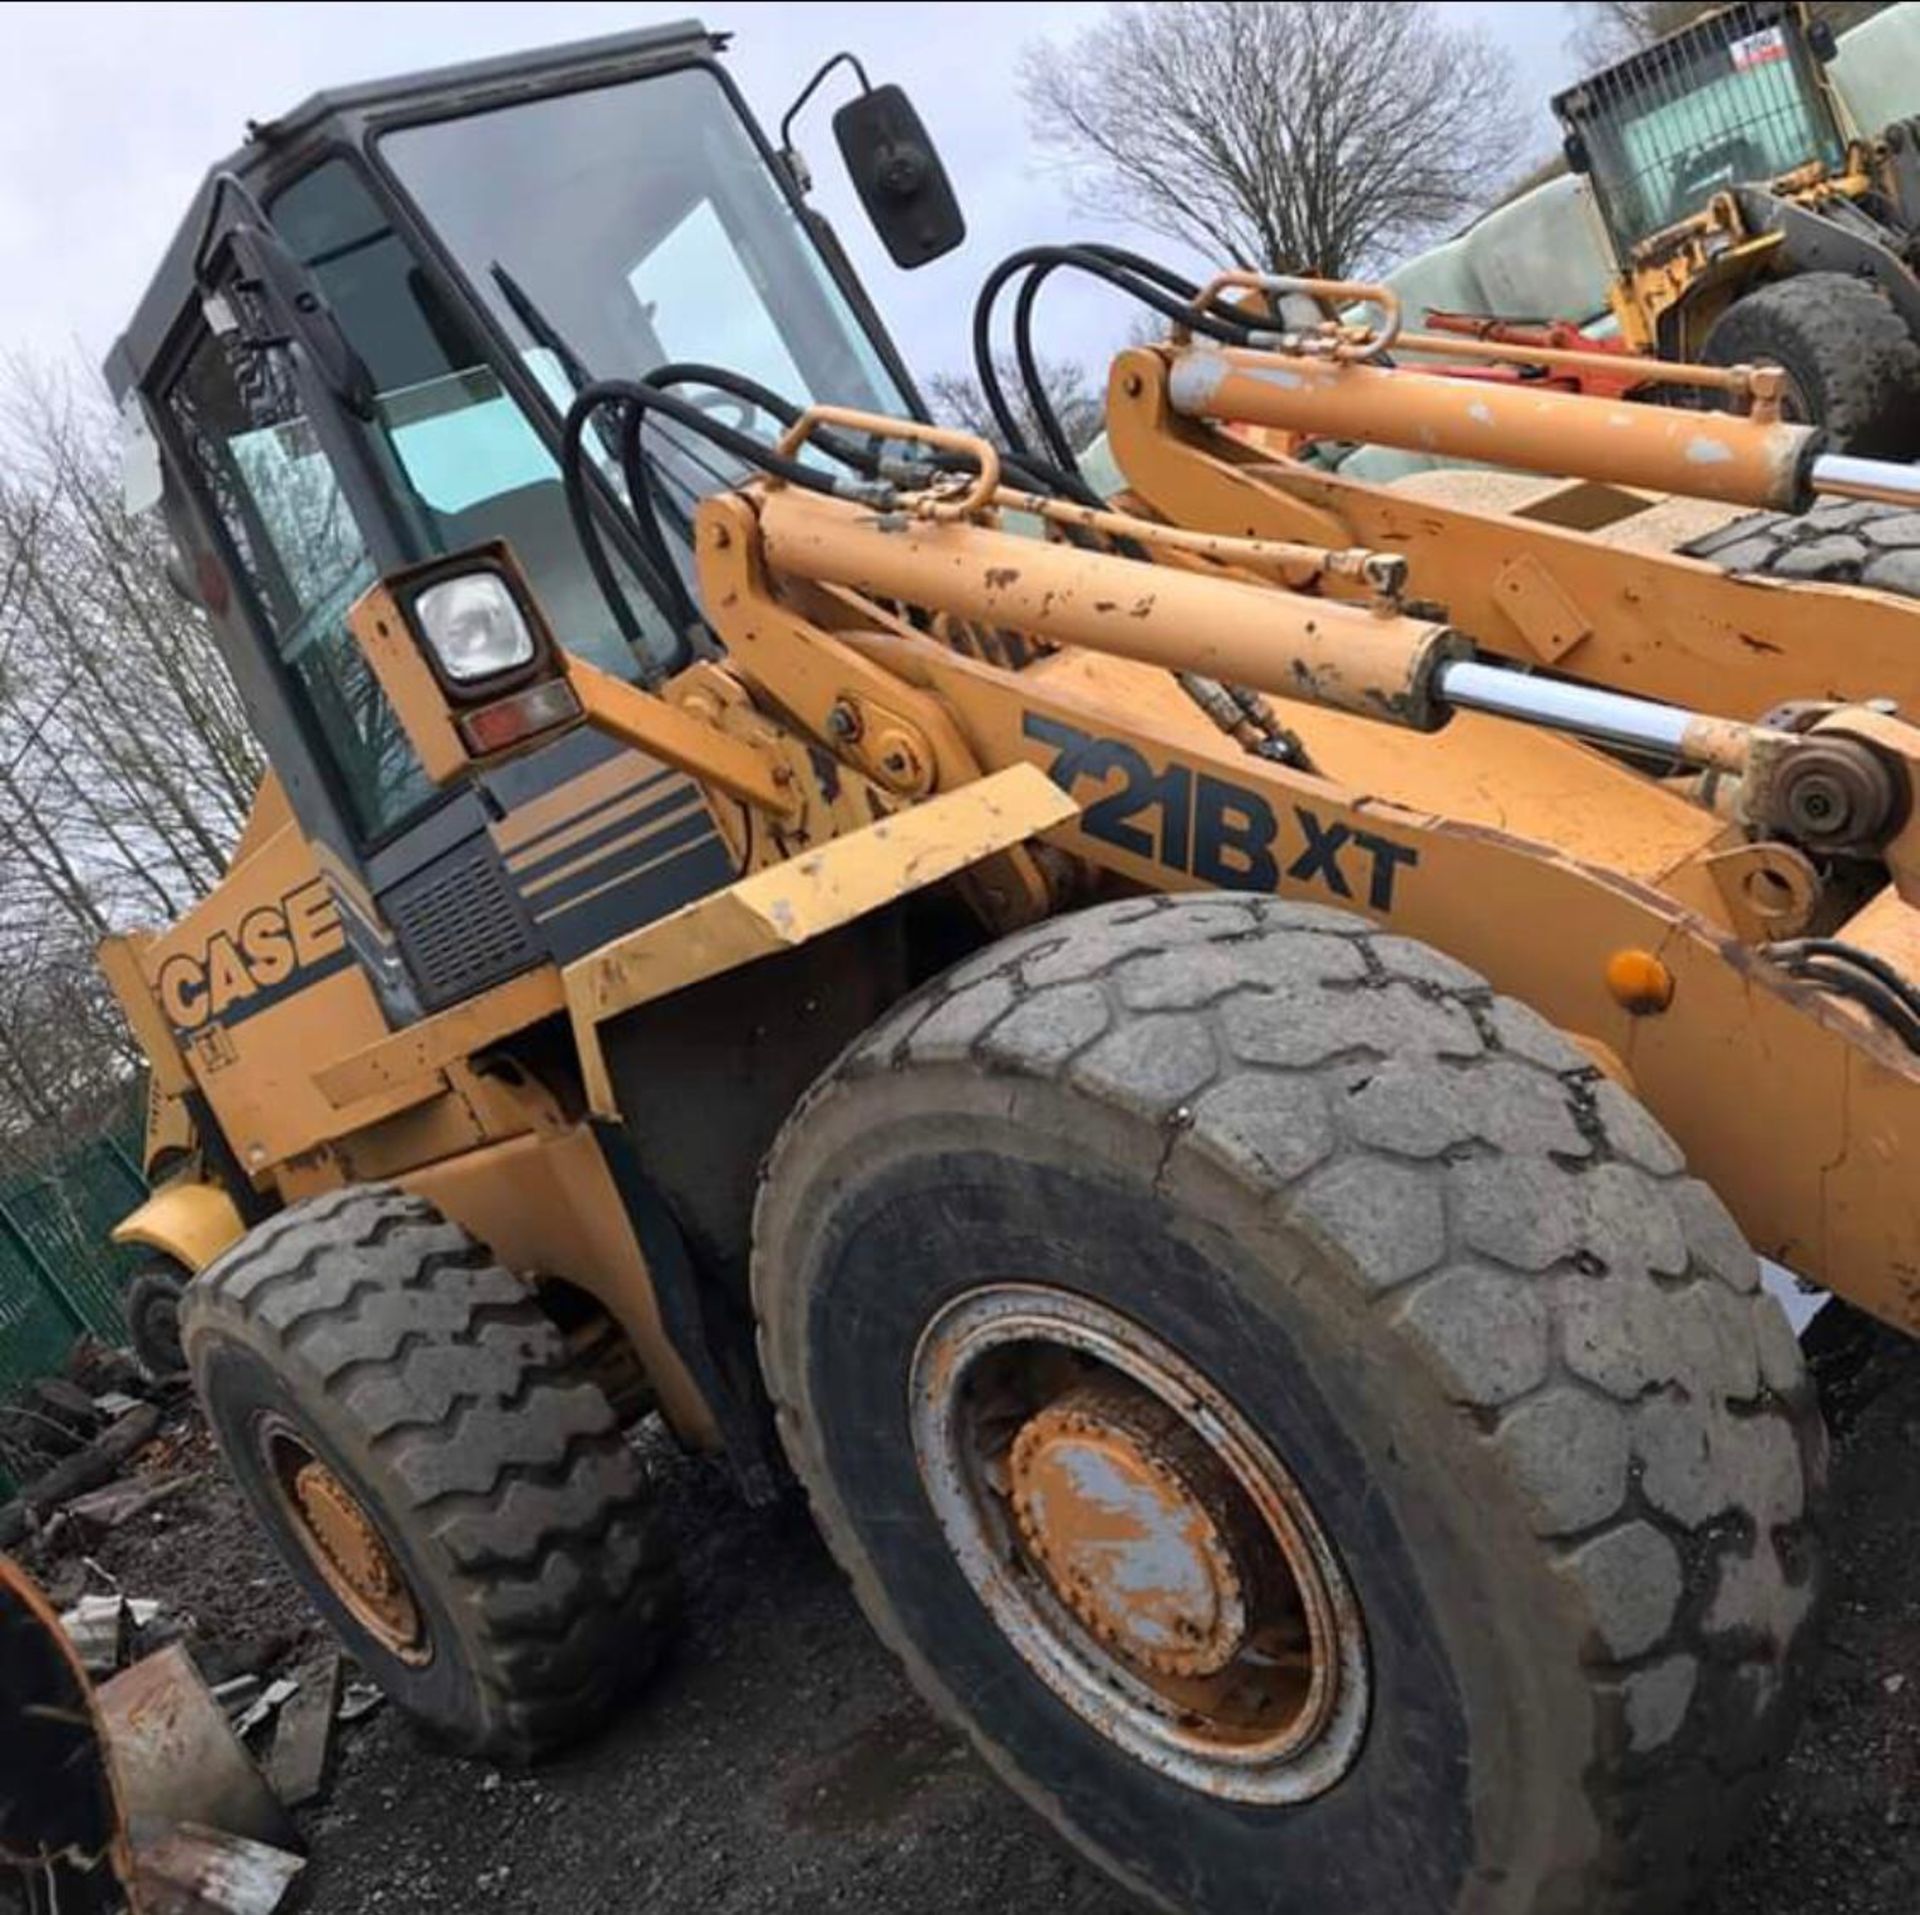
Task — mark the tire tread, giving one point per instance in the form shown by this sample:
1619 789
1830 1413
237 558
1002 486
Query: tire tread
548 1539
1296 1009
1837 333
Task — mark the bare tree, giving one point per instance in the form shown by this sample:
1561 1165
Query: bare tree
1077 403
126 764
1609 30
1304 137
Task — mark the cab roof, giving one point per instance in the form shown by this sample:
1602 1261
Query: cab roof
344 115
1653 62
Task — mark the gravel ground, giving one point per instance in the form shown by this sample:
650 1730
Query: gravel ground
779 1762
201 1555
1841 1831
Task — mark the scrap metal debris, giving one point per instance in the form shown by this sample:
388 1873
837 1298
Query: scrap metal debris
179 1758
183 1819
101 1461
184 1869
108 1632
104 1509
301 1762
360 1699
266 1705
101 1631
60 1822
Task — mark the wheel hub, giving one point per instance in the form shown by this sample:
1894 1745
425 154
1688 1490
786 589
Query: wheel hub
1139 1544
342 1530
1131 1518
346 1546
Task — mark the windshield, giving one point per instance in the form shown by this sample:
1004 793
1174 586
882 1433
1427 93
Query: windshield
466 463
614 229
1728 103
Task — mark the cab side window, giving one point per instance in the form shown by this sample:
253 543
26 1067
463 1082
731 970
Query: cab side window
295 538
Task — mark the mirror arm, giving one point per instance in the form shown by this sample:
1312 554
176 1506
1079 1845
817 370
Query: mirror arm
797 168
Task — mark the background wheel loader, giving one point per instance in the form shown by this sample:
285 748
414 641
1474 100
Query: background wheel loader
1207 1079
1750 219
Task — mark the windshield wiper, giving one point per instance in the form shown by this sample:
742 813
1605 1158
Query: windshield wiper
545 333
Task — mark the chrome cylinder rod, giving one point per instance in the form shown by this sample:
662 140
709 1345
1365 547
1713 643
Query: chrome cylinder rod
1841 476
1604 717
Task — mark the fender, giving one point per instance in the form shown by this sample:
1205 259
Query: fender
190 1222
801 898
1846 240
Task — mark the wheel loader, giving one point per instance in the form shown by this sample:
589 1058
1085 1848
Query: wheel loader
1202 1061
1750 219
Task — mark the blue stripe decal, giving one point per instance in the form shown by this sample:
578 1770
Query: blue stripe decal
593 843
263 997
611 872
520 780
678 880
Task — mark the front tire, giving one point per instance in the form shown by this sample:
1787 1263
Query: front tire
1852 364
459 1505
1256 1182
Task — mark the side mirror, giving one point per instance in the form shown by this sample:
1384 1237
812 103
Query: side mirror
898 176
1575 149
143 482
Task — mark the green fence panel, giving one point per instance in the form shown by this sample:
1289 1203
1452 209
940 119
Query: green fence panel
34 1333
56 1260
59 1226
60 1277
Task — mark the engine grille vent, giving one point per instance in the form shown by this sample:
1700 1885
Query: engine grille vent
460 925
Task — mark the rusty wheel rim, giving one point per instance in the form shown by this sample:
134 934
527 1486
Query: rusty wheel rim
343 1542
1146 1553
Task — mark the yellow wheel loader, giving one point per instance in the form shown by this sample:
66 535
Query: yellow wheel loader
1203 1062
1750 219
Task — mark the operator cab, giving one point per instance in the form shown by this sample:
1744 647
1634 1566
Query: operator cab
359 353
1736 98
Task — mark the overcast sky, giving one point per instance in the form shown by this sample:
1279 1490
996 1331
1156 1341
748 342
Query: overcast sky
115 110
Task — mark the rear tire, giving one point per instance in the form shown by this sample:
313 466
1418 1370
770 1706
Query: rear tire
1852 361
152 1309
1399 1232
458 1504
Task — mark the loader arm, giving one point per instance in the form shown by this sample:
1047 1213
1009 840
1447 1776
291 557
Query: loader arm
885 656
1567 879
1551 594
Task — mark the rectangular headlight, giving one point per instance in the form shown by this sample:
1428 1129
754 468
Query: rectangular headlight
475 628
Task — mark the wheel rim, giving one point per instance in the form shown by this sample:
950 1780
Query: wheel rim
1145 1552
343 1542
